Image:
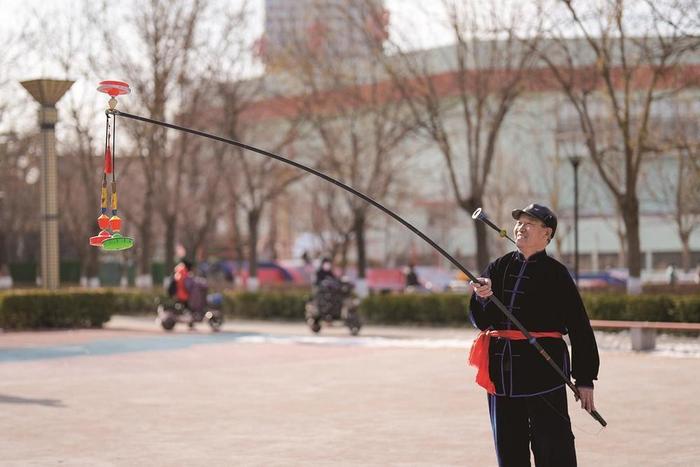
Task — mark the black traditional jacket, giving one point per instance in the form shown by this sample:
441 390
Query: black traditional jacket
542 295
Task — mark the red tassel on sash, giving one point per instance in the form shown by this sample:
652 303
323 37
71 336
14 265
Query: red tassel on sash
479 353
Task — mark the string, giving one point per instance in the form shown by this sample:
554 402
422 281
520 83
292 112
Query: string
114 149
106 133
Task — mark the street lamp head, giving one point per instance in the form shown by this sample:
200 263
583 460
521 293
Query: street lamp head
47 91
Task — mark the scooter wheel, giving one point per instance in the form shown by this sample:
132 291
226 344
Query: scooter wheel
168 323
354 330
315 326
215 321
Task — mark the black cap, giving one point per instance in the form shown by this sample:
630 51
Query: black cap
540 212
187 263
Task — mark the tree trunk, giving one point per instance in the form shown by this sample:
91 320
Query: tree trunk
91 268
630 214
685 251
344 247
360 243
272 235
170 226
5 276
145 229
238 248
253 225
3 249
482 246
622 252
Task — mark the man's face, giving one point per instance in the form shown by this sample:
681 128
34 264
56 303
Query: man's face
530 233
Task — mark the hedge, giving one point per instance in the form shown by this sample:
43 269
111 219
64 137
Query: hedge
686 309
265 305
452 309
76 308
436 309
643 307
136 302
64 309
69 308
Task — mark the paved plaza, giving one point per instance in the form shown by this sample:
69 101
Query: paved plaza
272 394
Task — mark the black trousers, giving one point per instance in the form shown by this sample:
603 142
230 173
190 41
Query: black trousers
541 421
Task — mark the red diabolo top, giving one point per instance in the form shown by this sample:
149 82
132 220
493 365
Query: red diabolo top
114 88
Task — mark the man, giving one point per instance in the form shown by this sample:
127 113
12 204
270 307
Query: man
412 277
527 398
324 271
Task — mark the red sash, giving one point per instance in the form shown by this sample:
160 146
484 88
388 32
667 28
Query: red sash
479 353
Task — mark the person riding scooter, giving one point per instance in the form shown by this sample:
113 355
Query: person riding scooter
181 282
332 299
193 303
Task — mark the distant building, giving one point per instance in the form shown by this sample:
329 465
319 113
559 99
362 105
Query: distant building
322 27
537 139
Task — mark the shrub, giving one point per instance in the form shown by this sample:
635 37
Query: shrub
686 309
62 309
648 308
605 306
78 308
682 308
135 302
265 305
436 309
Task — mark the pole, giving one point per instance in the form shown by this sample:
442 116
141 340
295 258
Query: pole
47 92
387 211
575 162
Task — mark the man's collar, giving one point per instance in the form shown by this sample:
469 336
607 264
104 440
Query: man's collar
519 255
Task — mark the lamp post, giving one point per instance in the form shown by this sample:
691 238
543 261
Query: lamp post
575 162
47 92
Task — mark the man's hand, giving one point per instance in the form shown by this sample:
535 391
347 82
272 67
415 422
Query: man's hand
586 398
482 288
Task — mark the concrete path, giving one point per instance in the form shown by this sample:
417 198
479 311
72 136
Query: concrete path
271 394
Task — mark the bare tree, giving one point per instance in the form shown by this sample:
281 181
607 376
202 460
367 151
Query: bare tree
626 61
354 123
9 58
19 195
463 110
331 221
19 158
256 180
360 125
671 178
188 45
264 180
202 204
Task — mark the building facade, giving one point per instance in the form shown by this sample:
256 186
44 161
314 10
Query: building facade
539 137
323 28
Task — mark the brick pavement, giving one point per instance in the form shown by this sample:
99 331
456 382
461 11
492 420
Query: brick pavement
131 395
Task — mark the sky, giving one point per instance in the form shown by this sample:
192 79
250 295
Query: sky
403 14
